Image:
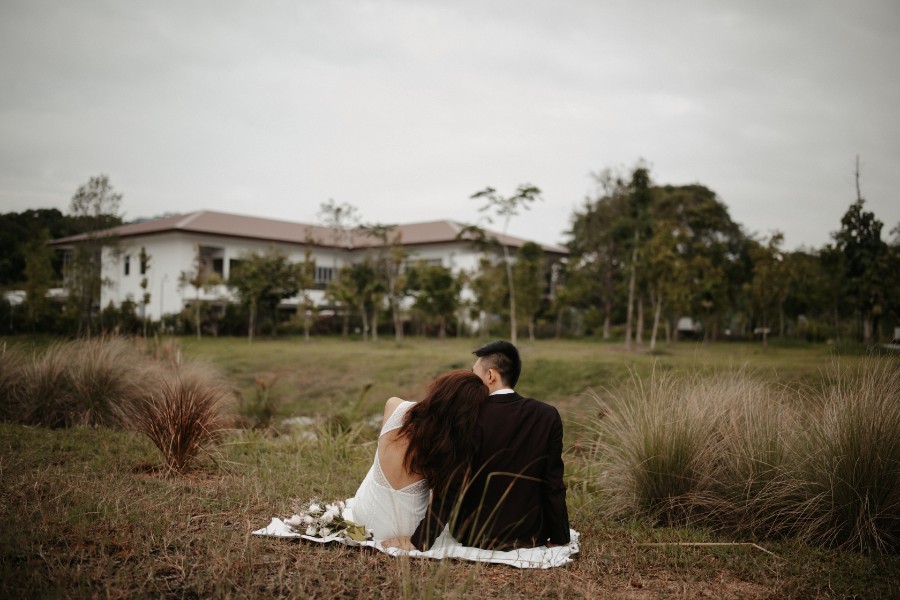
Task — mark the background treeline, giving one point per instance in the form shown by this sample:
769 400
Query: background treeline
646 255
648 262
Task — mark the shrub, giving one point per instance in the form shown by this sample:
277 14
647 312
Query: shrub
853 472
185 414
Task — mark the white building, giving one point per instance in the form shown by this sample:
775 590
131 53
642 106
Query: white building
174 243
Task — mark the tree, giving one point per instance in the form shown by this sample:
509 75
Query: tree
639 203
144 259
528 274
307 278
506 208
200 277
263 280
488 284
38 279
341 218
388 264
93 204
769 283
664 271
864 255
865 260
368 291
599 236
437 293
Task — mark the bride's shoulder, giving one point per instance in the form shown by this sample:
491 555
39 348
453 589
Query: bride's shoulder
391 405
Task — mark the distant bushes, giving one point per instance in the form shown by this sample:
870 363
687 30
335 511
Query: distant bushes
739 455
114 382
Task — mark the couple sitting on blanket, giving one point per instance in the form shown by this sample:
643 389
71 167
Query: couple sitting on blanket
474 456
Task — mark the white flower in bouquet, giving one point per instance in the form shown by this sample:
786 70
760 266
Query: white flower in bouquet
321 520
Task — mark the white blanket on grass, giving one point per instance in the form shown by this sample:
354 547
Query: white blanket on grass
445 546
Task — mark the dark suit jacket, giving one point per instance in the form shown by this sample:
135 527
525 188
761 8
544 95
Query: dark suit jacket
514 496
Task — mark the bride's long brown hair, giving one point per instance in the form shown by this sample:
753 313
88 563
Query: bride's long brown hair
441 428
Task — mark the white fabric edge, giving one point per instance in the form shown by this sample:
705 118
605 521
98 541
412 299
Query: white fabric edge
445 546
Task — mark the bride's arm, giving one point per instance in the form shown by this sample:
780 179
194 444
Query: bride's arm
401 542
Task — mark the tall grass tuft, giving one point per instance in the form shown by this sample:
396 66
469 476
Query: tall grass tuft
186 414
739 455
652 439
82 383
853 471
701 450
12 379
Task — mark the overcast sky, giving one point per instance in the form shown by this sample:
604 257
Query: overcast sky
406 108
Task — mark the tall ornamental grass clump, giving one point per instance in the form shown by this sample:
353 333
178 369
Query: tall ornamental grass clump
652 443
12 378
81 383
185 414
697 450
737 454
853 469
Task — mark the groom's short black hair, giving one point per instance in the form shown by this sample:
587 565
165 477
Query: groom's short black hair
504 357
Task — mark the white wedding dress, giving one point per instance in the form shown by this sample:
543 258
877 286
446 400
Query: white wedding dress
382 509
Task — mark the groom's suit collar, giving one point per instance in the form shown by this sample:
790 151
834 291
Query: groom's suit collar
502 391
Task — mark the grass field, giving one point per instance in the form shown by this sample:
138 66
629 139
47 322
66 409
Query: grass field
86 512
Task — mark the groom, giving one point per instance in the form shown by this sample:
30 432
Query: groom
514 496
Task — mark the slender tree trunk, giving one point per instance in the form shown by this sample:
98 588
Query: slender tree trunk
365 322
398 322
306 325
656 315
345 328
197 311
375 323
558 332
531 329
639 333
512 296
781 320
252 324
631 282
607 319
867 330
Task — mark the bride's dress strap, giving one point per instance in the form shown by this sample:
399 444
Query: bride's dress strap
395 421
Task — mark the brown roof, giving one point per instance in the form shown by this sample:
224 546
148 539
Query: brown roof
242 226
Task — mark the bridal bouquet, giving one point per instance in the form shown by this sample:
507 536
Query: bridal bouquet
317 519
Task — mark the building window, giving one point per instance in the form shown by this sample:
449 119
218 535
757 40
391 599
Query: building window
324 275
127 264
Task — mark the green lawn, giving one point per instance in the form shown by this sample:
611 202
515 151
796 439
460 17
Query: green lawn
85 513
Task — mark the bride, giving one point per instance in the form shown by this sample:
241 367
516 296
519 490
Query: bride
422 446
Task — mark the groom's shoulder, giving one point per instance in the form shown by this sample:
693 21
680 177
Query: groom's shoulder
537 406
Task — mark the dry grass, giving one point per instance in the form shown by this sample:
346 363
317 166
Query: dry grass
184 414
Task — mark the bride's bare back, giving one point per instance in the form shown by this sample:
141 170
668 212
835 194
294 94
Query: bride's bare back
392 449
